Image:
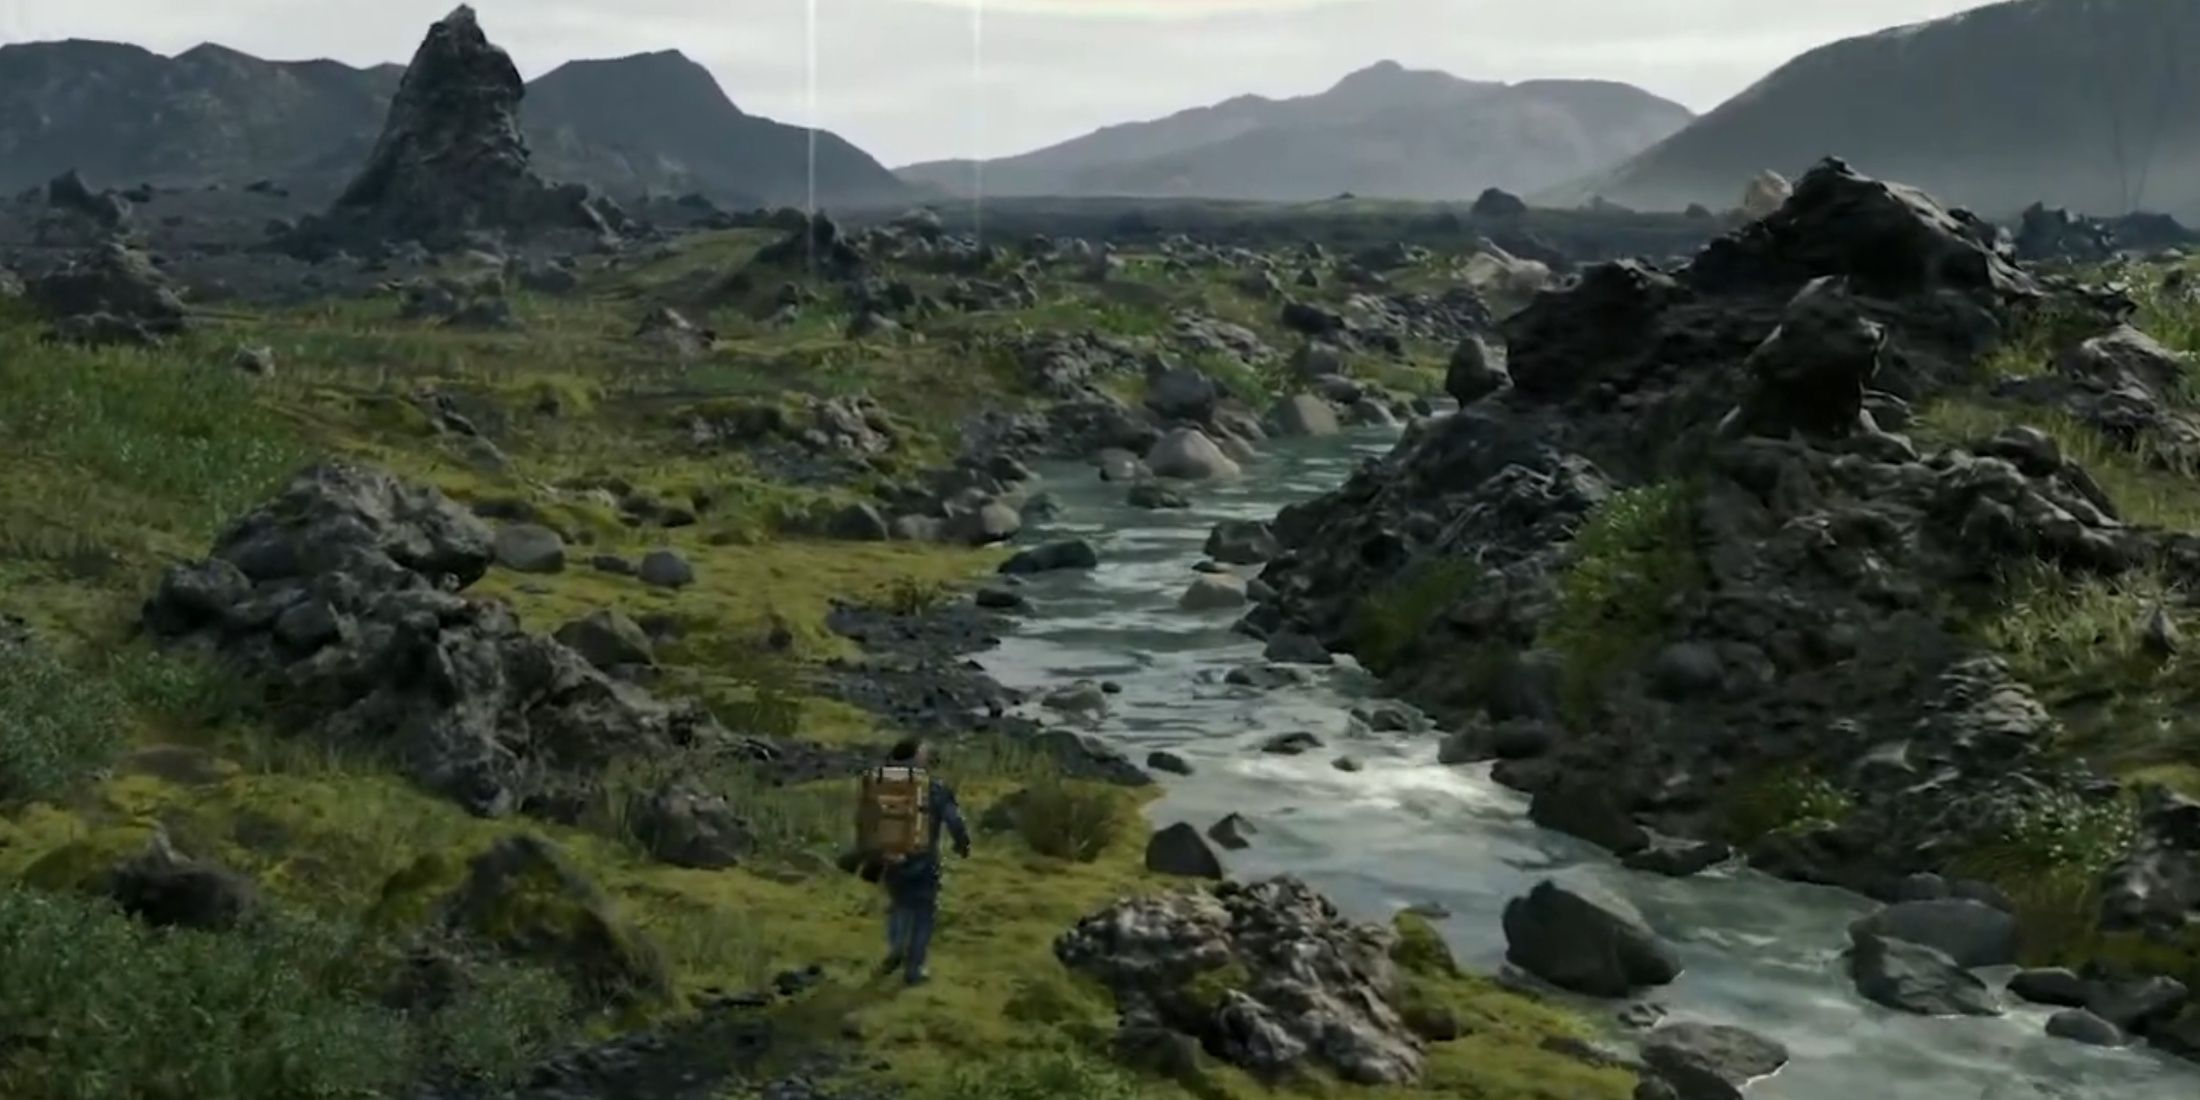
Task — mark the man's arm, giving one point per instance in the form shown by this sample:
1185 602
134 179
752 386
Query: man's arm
951 816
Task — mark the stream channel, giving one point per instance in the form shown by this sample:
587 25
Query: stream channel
1760 953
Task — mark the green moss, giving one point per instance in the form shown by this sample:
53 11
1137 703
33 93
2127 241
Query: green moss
1420 948
1633 558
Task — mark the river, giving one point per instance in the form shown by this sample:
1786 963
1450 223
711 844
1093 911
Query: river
1405 830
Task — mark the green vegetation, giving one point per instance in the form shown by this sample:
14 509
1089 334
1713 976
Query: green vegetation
1390 619
128 460
1789 799
1632 559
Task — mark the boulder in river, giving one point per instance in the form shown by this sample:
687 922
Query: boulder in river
1710 1061
1241 542
1586 940
1969 932
1303 414
2078 1025
1915 978
1180 850
1218 592
1188 454
1047 558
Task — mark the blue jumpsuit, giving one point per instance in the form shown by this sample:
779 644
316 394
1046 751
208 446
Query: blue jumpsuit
913 887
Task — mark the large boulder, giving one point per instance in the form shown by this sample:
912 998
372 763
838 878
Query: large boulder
111 294
1268 976
1181 393
1585 940
1241 542
1971 933
1710 1061
1189 455
1303 414
1915 978
1809 376
452 158
341 595
1562 339
1477 371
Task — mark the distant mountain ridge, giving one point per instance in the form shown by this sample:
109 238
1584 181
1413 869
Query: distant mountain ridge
1385 131
655 122
2078 103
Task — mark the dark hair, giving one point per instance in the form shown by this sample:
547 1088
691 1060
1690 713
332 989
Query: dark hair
904 749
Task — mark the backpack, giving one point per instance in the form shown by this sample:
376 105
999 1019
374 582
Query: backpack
893 818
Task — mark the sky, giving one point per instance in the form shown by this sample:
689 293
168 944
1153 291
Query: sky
912 80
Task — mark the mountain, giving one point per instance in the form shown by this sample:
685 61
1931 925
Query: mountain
1385 131
653 122
122 114
658 121
2078 103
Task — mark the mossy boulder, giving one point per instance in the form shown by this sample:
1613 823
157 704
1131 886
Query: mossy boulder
525 897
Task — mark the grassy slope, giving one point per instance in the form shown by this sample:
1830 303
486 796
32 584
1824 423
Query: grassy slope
131 460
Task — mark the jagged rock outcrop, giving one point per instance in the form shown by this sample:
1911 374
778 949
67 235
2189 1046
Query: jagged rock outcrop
110 295
452 158
1266 976
342 594
1796 553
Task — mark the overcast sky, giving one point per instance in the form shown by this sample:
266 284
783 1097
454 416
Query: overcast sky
921 79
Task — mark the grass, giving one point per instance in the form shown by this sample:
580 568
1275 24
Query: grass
2148 488
1633 557
1787 799
130 459
1391 619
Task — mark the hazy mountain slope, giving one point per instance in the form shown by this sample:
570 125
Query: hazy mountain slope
1385 131
121 114
2081 103
658 121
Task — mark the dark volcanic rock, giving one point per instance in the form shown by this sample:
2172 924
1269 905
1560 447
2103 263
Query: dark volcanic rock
1586 941
112 294
1268 977
452 158
1915 978
1710 1061
468 702
167 890
1180 850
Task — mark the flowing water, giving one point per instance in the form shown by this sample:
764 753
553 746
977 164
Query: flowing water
1405 830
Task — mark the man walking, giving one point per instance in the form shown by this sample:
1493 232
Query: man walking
898 822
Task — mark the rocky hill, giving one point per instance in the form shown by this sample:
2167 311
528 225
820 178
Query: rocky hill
1385 131
123 115
2077 103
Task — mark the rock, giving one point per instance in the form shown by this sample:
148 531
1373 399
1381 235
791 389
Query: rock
1810 374
1765 193
1181 393
112 294
608 640
2081 1026
1153 495
472 705
1497 204
1303 414
1066 554
1230 832
1268 977
530 548
1710 1061
1291 648
1180 850
994 521
1241 542
1189 455
2052 985
612 564
1291 744
995 598
1082 697
451 159
167 890
1162 760
255 360
1264 677
1559 343
525 897
683 824
1476 371
1915 978
1589 811
1213 593
1347 764
2137 1004
1585 940
1968 932
665 569
858 522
